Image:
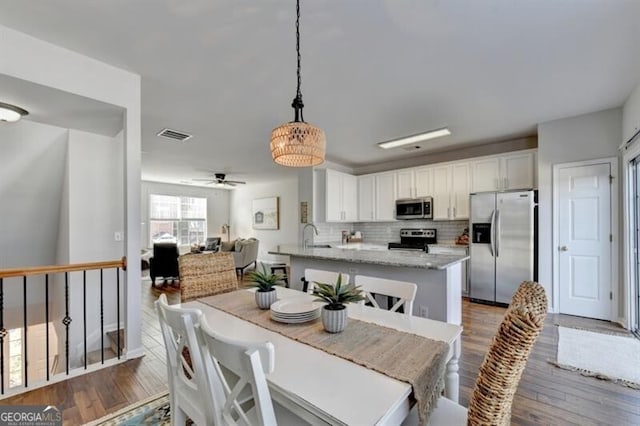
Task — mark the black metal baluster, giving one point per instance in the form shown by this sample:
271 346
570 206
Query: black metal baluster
3 334
118 307
46 317
66 320
24 338
84 312
101 317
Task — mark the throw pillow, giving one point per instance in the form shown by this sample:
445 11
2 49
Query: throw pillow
238 246
227 246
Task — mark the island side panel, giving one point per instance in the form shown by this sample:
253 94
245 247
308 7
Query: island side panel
438 289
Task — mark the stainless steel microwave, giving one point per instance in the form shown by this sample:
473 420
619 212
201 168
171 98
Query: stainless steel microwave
414 208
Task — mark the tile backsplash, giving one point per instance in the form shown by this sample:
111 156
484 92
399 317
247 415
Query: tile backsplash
384 232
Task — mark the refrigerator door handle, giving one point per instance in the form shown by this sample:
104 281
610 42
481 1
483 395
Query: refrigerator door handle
491 239
497 233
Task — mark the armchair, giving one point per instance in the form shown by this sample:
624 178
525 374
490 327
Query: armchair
164 262
245 253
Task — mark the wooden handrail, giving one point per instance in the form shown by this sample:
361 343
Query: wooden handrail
55 269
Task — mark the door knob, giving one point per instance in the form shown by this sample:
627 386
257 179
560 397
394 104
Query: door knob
564 248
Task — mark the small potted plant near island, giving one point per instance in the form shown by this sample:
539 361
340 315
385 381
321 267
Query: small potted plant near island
334 313
265 283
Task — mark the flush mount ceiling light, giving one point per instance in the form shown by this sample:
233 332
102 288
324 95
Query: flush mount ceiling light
297 143
420 137
11 113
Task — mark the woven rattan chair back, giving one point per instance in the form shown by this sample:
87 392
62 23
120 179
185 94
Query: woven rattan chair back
207 274
503 365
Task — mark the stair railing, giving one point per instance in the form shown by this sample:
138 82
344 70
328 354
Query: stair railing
47 272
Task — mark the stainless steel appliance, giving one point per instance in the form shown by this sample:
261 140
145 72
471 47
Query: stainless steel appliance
502 244
415 239
414 208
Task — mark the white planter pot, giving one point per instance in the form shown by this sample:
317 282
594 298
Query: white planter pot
264 299
334 321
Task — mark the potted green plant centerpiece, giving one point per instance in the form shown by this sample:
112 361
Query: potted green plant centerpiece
334 313
265 283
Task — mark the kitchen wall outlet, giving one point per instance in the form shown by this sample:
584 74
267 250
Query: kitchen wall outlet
423 311
118 236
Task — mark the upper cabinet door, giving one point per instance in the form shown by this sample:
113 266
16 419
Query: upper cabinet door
485 175
460 183
517 171
424 182
441 192
366 198
333 206
405 184
385 200
349 198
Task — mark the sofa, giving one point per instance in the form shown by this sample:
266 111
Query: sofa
244 252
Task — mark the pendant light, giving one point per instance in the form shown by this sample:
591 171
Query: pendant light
297 143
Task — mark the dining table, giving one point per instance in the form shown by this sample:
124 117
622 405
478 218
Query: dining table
322 388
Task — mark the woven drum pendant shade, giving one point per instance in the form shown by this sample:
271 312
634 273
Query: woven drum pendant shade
298 144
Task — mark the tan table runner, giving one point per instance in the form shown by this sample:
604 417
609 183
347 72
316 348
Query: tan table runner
407 357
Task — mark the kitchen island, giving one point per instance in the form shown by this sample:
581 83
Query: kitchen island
437 276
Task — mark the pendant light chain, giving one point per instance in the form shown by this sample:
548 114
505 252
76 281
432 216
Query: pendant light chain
297 102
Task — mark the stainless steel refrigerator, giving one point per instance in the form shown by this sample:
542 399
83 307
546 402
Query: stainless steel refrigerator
502 244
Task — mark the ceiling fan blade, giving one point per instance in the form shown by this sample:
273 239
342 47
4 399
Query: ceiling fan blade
204 180
235 182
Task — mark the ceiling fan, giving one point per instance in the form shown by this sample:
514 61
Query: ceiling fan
220 179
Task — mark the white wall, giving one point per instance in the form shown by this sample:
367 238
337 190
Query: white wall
241 221
37 61
585 137
631 115
217 206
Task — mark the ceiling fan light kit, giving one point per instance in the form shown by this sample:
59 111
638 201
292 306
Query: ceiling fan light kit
297 143
420 137
11 113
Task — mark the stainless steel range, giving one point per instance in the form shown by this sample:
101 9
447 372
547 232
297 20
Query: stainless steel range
415 239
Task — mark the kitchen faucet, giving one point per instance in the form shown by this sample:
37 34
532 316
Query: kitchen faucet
304 240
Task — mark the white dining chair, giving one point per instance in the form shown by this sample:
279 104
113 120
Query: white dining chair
189 391
319 275
402 290
249 361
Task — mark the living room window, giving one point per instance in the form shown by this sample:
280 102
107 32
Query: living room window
177 219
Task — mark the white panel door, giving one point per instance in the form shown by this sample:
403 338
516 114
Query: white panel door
405 184
441 192
517 171
485 175
366 198
385 196
584 229
424 182
349 198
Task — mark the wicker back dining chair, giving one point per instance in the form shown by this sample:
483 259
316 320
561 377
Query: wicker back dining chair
500 372
206 274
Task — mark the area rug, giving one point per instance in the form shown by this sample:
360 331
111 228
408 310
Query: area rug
151 411
604 356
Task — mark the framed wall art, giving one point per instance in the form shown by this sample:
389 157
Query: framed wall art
265 213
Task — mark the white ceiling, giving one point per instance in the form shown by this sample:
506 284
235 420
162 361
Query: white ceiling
373 70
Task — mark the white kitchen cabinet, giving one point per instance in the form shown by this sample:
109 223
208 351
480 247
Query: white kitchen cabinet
424 181
451 192
405 184
366 198
462 250
341 199
385 196
503 172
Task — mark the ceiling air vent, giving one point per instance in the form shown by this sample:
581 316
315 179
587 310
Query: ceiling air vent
174 135
412 148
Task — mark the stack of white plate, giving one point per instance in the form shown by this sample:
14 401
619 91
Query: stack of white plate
295 310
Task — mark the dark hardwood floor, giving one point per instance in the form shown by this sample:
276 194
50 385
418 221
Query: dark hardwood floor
546 396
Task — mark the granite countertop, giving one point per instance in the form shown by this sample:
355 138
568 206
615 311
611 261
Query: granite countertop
407 259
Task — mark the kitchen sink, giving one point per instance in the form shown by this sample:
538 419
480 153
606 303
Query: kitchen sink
319 246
